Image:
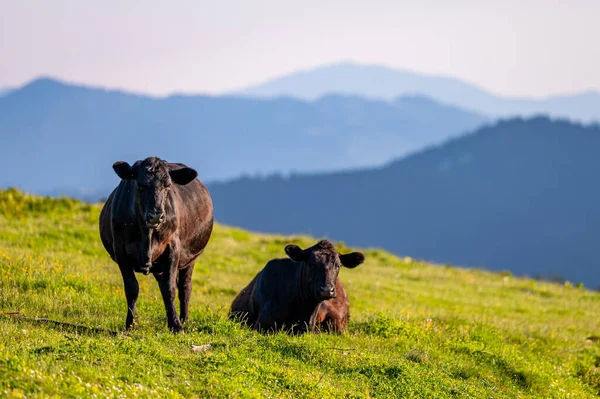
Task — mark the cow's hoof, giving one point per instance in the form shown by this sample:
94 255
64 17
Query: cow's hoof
130 325
176 328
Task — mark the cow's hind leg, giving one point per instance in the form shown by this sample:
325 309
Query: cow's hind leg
132 290
184 285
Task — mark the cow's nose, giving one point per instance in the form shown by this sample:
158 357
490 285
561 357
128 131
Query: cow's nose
146 268
154 219
327 291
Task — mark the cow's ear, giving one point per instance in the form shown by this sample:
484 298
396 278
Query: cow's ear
295 252
183 176
352 260
123 170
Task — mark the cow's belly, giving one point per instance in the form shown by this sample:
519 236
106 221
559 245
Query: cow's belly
136 255
160 257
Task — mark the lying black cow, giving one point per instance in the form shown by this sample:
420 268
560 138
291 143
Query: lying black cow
298 294
158 220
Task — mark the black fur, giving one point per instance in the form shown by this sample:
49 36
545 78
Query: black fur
297 293
158 220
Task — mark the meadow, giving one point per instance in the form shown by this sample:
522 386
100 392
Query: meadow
417 330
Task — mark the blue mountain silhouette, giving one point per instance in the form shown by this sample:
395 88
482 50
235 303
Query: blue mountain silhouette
378 82
521 195
66 137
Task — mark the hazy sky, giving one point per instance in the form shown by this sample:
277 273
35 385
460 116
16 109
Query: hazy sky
510 47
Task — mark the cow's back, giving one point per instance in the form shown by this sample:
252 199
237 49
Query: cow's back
274 282
278 282
241 307
105 234
117 208
194 212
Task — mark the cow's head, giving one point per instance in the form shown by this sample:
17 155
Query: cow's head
323 266
153 180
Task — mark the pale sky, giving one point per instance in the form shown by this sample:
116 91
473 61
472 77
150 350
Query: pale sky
519 48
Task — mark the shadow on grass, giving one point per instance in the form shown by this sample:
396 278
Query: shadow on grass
59 325
520 378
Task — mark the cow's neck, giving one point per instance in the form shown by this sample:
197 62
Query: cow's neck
155 240
164 230
306 297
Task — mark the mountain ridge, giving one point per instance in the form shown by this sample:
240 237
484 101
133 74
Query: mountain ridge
375 81
513 195
4 91
54 124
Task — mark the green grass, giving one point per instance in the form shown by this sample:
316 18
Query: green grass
417 330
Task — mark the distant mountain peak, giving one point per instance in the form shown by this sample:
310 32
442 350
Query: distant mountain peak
49 119
387 83
50 84
45 82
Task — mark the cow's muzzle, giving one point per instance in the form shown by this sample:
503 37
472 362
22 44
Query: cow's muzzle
153 220
327 291
146 269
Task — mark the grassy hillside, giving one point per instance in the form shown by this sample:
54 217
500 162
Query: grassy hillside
417 330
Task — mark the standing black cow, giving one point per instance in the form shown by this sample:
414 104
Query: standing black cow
298 292
158 220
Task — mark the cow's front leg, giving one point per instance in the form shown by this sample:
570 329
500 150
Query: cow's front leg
132 291
306 323
167 282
